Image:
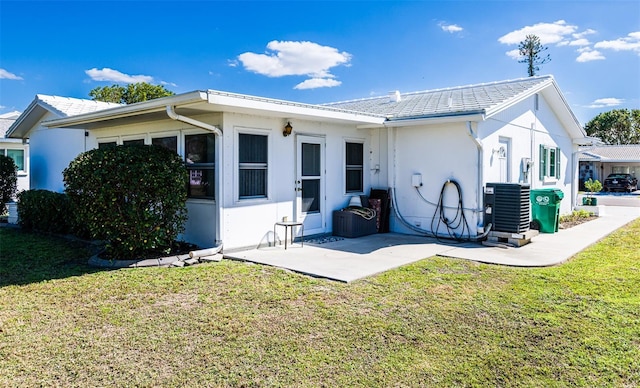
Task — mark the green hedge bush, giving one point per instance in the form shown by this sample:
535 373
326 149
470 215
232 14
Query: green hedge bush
44 211
8 181
132 197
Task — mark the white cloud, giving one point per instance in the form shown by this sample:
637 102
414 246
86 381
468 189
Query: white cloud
580 42
314 83
515 54
285 58
451 28
7 75
588 55
606 102
584 33
629 43
107 74
548 33
168 83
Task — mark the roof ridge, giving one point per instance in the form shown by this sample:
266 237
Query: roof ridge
469 86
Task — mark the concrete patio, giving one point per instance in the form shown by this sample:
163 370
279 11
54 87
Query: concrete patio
348 259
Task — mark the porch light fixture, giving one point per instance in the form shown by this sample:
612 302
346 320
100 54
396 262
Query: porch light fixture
287 129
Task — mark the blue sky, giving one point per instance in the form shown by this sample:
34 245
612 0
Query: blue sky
317 52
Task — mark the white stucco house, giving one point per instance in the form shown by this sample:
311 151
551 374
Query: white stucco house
16 149
246 173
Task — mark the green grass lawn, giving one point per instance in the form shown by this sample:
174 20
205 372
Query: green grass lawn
438 322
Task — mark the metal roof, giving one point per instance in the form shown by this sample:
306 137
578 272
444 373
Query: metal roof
612 153
460 100
67 106
59 106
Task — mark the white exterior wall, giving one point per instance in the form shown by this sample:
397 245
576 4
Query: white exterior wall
440 153
51 152
526 128
249 222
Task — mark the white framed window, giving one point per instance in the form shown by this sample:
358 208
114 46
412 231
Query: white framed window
549 164
253 165
16 155
354 166
199 156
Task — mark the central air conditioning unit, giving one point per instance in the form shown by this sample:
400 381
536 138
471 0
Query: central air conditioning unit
507 207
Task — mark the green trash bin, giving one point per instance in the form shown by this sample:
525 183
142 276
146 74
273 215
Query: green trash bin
545 208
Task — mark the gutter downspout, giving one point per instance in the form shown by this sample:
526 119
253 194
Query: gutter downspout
474 136
198 124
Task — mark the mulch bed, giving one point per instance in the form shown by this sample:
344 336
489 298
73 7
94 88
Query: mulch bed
574 222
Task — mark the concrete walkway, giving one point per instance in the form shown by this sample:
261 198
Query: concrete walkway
347 259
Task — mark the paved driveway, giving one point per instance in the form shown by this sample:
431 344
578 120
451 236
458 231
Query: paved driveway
616 199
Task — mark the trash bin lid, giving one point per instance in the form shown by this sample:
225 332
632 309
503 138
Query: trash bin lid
545 197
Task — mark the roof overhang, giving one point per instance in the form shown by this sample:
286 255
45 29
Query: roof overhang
206 102
26 121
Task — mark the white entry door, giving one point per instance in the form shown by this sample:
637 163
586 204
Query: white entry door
310 184
504 159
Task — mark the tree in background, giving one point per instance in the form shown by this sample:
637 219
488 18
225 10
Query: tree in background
130 94
8 181
531 50
618 126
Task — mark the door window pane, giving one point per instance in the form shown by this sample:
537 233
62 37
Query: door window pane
310 159
311 195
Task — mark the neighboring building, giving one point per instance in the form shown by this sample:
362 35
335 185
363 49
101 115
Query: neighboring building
600 161
16 149
245 174
51 149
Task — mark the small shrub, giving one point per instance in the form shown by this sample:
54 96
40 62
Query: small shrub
133 197
8 181
44 211
593 186
576 215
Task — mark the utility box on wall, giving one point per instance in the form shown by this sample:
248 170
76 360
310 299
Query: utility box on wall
507 207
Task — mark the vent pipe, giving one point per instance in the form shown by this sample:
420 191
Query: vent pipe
395 96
